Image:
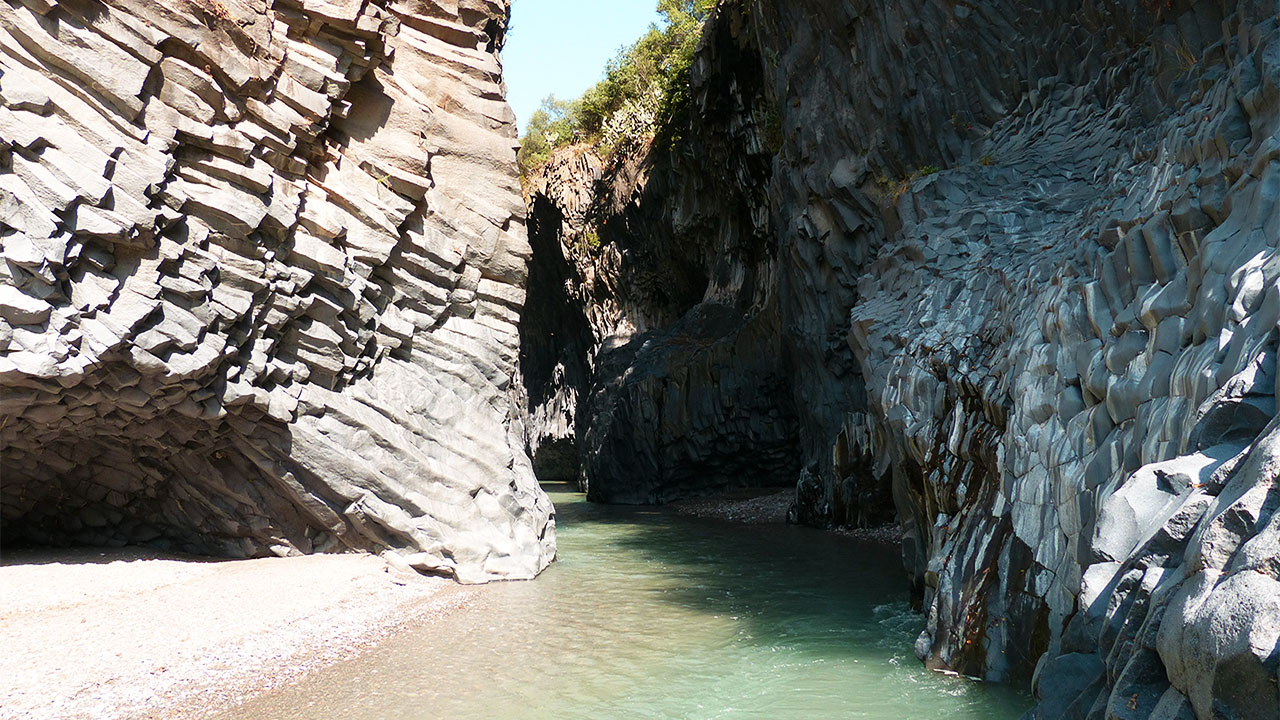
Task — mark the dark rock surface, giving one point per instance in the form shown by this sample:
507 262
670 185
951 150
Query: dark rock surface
264 265
679 388
651 440
1009 270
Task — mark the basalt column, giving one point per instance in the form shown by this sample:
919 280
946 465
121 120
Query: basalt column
263 268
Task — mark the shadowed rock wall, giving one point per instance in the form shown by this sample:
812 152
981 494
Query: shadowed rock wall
1022 262
1050 326
264 265
668 253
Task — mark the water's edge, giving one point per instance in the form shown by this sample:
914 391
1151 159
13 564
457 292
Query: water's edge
653 615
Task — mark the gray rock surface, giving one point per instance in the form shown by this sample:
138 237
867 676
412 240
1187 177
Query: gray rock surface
1021 265
263 268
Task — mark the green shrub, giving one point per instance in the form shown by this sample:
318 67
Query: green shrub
772 128
893 189
550 127
644 86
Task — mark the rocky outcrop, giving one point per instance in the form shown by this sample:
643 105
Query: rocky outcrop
565 317
684 391
264 266
1021 262
1047 336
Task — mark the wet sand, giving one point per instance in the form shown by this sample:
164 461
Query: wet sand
133 634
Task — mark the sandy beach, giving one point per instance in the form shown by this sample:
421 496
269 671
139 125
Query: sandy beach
128 633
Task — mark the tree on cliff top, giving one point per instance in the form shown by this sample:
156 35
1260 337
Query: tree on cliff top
550 127
640 90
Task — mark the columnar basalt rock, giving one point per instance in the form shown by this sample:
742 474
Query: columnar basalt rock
1064 334
264 266
1023 262
684 391
566 315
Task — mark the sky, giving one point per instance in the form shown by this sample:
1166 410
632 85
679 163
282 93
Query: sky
562 46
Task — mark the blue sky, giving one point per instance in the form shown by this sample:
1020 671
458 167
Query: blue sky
562 46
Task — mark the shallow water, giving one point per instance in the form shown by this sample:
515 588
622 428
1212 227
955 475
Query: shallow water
647 614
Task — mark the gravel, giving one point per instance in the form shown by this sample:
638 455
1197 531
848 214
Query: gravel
751 507
132 634
769 507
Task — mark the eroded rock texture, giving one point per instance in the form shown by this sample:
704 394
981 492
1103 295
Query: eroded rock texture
1020 261
264 263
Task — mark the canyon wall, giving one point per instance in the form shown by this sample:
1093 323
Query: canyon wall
264 263
1005 271
680 386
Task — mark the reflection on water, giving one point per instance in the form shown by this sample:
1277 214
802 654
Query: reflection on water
650 615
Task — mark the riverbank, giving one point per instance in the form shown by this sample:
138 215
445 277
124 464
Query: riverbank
647 613
768 506
129 633
749 506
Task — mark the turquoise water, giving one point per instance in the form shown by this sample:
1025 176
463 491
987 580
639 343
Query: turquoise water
647 614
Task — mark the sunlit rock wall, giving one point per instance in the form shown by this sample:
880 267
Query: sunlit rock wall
264 265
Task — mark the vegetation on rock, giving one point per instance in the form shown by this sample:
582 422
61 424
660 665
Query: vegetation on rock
644 85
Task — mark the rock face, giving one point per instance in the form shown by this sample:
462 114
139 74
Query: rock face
264 265
679 387
1015 269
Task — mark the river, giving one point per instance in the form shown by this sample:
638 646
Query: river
648 614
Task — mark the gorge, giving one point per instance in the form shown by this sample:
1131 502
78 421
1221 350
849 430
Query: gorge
1007 273
1005 276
